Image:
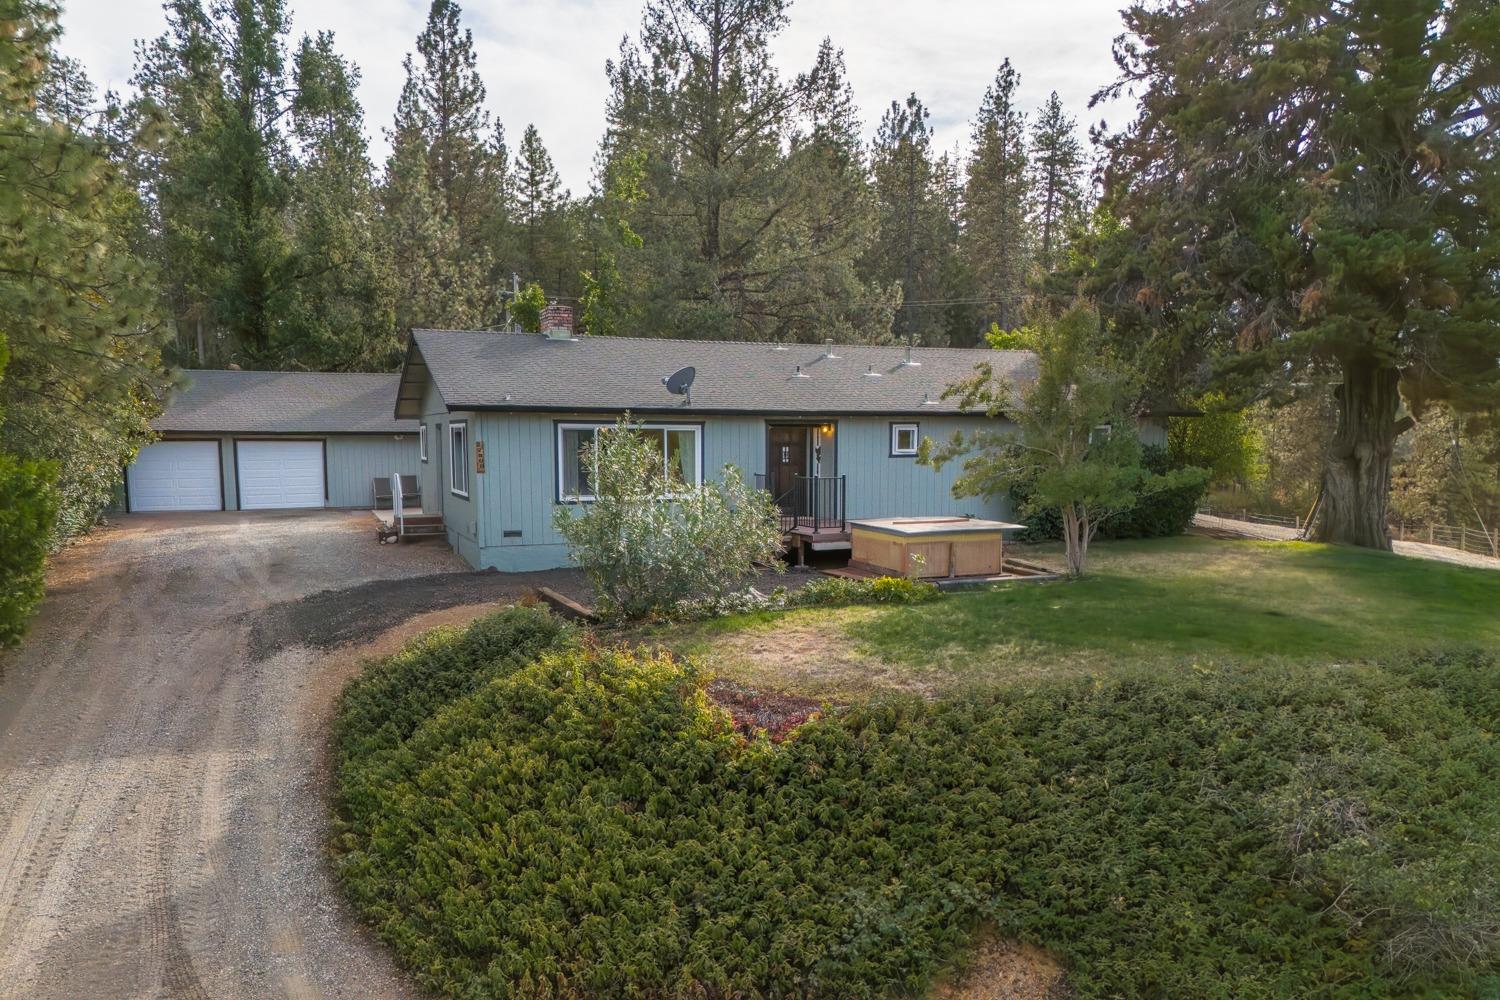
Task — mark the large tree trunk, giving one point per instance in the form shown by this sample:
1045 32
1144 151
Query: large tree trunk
1357 472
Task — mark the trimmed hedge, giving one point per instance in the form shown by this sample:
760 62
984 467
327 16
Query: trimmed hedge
590 825
1160 516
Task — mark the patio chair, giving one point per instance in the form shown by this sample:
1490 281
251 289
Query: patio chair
382 488
411 490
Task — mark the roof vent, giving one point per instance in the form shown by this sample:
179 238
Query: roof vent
557 321
799 373
907 362
779 346
927 399
872 373
828 354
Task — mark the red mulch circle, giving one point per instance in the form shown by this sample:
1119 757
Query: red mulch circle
775 713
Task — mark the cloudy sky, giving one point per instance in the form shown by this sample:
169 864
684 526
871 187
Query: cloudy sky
543 60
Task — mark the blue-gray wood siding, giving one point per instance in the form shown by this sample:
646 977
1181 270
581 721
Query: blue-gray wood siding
515 525
353 461
460 514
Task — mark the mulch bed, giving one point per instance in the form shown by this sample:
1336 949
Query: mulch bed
775 713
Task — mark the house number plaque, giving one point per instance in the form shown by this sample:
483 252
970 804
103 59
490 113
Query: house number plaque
479 457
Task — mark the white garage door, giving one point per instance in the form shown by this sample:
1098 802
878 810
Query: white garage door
175 475
274 474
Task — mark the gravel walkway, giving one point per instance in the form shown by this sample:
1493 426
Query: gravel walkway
162 759
1272 532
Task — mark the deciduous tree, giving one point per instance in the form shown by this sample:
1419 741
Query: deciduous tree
1073 448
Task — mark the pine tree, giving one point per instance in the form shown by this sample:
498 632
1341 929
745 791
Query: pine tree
435 285
726 221
444 102
220 184
1309 196
1057 185
342 313
914 246
538 199
78 305
997 233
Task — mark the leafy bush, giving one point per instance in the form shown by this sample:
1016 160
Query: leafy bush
832 591
1161 515
649 541
28 510
590 825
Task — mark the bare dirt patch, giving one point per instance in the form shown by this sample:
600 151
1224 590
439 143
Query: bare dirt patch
810 653
774 713
1009 970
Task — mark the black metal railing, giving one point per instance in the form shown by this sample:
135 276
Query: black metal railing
813 503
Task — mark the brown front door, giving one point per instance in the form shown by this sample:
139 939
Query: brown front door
787 460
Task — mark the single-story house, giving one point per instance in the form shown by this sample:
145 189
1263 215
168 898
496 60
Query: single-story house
243 440
831 431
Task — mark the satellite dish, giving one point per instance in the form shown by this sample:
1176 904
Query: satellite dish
680 382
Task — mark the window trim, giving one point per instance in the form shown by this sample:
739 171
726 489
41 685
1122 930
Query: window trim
457 456
559 426
422 441
1101 432
897 426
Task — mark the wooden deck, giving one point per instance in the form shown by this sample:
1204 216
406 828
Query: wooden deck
807 539
414 524
1010 570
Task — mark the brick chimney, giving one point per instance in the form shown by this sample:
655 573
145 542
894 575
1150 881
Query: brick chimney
557 321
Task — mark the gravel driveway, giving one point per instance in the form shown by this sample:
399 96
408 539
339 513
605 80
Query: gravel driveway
162 756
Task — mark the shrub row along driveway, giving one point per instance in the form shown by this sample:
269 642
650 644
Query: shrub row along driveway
161 822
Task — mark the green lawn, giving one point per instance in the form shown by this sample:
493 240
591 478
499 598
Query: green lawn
1167 602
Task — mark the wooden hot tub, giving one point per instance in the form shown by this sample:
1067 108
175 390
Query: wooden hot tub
926 547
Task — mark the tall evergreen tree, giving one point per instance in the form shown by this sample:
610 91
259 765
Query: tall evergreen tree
997 231
435 283
724 221
77 306
444 102
914 245
1310 195
538 199
220 186
342 312
1057 184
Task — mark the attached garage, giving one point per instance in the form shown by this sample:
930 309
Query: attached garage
275 475
236 440
176 475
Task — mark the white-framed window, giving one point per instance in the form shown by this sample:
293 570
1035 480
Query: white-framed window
904 440
681 453
422 441
1100 433
458 458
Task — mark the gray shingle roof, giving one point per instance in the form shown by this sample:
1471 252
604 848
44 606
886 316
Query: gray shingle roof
237 402
508 371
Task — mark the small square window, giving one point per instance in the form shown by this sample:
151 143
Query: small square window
904 439
1100 433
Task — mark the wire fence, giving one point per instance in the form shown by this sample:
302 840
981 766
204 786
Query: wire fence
1478 540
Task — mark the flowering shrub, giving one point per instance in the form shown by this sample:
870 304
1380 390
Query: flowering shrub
650 541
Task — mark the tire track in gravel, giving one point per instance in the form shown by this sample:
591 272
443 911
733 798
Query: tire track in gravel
161 826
